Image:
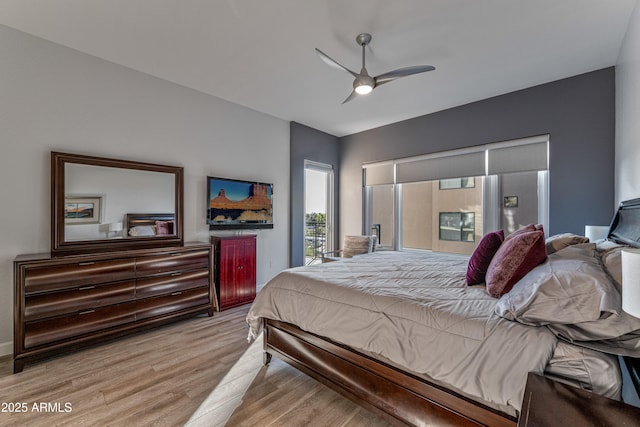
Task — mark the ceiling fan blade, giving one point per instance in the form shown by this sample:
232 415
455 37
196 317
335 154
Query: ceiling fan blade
350 97
330 62
402 72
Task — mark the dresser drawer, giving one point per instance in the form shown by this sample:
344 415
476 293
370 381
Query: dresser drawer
173 261
177 301
40 306
73 275
167 284
83 322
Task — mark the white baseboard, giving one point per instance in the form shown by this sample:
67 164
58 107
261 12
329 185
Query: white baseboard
6 348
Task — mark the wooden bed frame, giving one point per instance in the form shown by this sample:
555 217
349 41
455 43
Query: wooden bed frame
394 394
398 396
141 219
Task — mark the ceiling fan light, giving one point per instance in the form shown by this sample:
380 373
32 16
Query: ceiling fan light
363 89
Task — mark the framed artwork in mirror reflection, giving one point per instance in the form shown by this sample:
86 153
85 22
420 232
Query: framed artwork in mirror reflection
83 210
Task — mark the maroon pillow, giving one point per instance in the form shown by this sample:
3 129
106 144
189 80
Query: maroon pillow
525 229
513 260
163 228
482 255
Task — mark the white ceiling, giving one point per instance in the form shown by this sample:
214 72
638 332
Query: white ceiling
260 53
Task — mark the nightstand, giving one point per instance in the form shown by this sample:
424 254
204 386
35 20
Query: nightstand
550 403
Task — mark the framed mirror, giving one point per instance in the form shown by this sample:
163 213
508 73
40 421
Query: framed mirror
100 204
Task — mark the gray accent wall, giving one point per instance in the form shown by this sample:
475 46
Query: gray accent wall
308 144
578 113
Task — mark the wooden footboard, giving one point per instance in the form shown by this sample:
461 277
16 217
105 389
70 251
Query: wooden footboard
375 385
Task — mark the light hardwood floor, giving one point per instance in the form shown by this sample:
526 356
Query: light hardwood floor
199 372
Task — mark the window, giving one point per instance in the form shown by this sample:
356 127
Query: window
421 204
318 216
457 226
446 201
518 200
380 213
455 183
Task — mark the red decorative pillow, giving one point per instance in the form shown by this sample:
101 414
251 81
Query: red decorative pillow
513 260
525 229
164 228
482 256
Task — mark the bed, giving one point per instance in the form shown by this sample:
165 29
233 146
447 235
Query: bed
149 224
403 334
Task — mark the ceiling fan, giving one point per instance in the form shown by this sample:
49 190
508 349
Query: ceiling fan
364 83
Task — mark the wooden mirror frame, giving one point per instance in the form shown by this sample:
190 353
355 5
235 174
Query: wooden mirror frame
59 246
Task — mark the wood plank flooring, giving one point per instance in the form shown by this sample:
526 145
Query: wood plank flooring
199 372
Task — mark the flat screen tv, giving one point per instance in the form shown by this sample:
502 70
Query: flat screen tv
233 203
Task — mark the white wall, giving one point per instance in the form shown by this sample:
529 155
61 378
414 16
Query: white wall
628 112
55 98
627 182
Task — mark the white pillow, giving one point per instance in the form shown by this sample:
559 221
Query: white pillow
570 287
561 241
142 230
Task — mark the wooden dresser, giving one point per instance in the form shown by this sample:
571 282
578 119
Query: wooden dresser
235 269
63 303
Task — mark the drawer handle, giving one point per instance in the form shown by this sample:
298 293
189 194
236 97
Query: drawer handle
174 254
173 294
82 264
86 312
86 288
176 274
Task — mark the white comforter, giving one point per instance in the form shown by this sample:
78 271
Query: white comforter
414 310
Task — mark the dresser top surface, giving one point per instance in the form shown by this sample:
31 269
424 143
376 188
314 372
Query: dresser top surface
47 256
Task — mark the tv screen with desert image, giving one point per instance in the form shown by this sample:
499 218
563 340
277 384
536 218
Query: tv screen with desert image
236 203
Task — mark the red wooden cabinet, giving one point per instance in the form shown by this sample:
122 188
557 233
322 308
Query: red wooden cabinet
235 269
